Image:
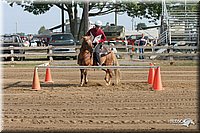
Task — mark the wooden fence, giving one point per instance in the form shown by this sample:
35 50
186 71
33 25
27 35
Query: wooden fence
150 51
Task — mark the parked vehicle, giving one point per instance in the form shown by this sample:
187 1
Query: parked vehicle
12 41
115 34
60 41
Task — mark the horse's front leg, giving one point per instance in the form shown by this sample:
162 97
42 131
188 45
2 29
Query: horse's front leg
107 77
82 76
85 74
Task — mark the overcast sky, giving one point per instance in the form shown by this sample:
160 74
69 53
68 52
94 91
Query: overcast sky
14 19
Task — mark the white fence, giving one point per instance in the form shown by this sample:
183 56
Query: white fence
149 51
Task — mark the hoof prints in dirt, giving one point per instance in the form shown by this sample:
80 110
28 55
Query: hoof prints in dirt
118 108
130 105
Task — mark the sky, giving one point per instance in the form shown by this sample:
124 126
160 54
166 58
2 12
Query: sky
15 19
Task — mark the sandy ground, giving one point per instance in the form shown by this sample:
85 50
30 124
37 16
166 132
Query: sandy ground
131 105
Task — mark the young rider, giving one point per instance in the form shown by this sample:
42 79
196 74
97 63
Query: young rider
98 36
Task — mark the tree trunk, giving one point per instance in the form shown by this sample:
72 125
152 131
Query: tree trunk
81 26
86 19
75 20
71 17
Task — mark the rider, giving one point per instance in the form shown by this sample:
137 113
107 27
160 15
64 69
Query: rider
98 36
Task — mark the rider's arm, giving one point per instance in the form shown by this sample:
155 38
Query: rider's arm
103 37
88 33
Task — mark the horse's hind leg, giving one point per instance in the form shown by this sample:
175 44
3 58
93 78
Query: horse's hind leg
86 79
82 76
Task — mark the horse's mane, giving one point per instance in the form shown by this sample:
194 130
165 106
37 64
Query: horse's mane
86 44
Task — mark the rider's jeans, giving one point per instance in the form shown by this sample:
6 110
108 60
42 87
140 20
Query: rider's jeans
96 52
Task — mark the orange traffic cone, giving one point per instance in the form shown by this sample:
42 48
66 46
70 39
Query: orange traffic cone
157 83
36 81
151 74
48 78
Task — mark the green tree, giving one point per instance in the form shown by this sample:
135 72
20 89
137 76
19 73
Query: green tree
42 30
150 10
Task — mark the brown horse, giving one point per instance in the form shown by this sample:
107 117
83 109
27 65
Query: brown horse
85 58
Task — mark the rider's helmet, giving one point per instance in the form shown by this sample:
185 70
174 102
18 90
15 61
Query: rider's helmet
98 23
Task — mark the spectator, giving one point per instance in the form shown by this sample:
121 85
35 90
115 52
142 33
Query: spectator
142 42
30 37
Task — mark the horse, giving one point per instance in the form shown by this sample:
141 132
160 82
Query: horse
85 58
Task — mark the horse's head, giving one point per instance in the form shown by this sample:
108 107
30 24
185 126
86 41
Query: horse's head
87 40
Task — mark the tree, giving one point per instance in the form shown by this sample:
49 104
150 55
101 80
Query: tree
149 10
42 30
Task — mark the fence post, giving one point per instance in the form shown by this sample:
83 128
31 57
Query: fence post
130 52
12 53
170 52
153 51
50 52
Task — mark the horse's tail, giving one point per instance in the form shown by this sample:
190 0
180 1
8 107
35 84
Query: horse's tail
116 71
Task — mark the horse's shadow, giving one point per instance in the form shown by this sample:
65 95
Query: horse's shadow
13 85
27 85
58 85
92 84
24 85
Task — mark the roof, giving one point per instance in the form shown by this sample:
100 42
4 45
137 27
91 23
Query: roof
151 33
113 28
58 26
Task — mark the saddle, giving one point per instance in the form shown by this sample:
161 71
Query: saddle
105 50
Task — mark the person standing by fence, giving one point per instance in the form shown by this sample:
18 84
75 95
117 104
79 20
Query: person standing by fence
142 42
30 37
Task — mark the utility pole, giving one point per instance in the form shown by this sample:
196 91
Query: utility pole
86 19
132 20
62 18
115 13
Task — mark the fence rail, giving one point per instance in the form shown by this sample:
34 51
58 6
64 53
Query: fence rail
96 67
149 51
78 47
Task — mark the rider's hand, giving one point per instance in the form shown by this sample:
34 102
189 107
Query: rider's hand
97 41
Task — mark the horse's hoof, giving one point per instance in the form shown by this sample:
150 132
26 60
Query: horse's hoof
108 83
81 84
86 80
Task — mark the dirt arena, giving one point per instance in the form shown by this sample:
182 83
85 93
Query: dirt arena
130 106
